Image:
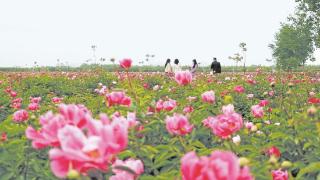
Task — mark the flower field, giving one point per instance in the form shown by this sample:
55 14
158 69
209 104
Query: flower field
122 125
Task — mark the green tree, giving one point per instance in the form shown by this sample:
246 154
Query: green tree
293 46
310 9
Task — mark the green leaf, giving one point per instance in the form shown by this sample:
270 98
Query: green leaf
313 167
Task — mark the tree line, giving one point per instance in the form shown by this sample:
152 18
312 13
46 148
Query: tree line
298 37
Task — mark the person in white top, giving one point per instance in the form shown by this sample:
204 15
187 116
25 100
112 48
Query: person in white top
168 67
176 67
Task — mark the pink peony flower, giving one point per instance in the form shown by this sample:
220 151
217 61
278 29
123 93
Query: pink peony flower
263 103
208 97
280 175
16 105
118 98
251 81
208 122
4 137
228 109
257 111
20 116
135 165
219 165
191 98
188 109
35 100
273 151
77 115
224 124
250 96
245 174
178 125
249 125
33 106
312 94
239 89
17 100
93 150
183 77
159 105
125 63
169 105
13 94
130 121
271 93
56 100
47 135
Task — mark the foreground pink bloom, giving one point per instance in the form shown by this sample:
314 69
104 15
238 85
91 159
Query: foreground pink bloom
126 63
83 152
20 116
135 165
225 124
239 89
47 135
178 125
208 97
118 98
257 111
183 77
280 175
219 165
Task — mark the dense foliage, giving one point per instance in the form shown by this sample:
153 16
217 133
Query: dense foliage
277 115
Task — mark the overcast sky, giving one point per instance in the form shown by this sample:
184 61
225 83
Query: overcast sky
44 31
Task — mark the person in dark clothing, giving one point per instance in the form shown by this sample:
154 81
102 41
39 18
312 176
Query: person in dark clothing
215 66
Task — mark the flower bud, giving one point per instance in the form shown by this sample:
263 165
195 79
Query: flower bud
254 128
272 84
286 164
289 92
273 159
243 161
236 140
73 174
312 111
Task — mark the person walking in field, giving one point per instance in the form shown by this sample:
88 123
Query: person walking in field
168 67
176 67
194 67
215 66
